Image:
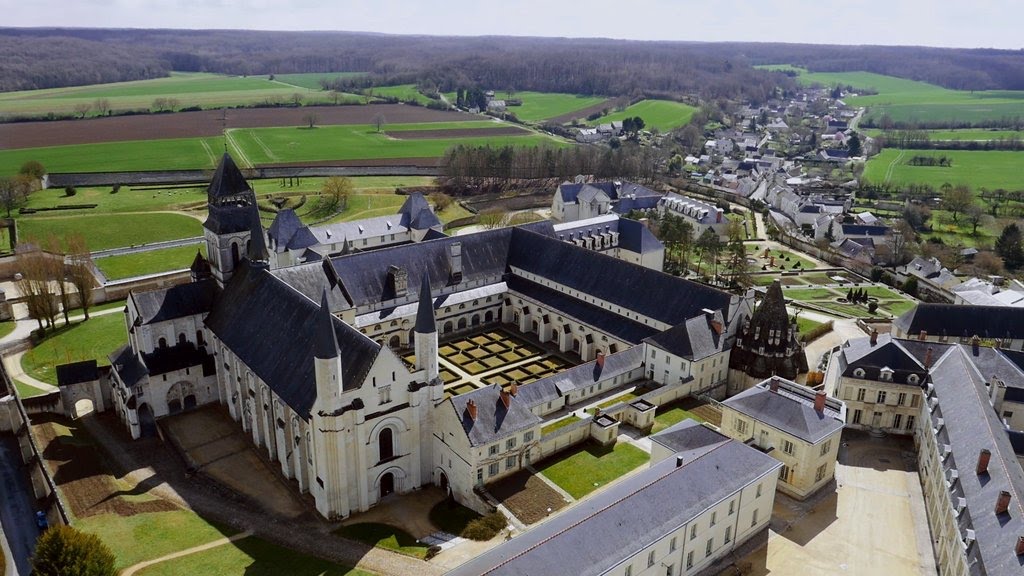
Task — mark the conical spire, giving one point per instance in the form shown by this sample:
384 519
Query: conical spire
200 267
425 310
257 242
326 345
227 180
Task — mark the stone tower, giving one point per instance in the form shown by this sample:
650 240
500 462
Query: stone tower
768 343
425 333
232 208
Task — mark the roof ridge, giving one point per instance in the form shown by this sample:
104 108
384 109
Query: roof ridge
608 506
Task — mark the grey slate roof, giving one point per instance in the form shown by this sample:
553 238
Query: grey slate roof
227 180
127 365
784 413
77 372
178 357
605 529
174 302
493 420
586 374
969 425
687 435
230 200
694 339
637 238
654 294
957 320
271 328
284 227
416 213
311 280
888 352
257 241
326 345
864 230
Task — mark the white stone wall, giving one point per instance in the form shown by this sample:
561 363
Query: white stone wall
896 414
669 369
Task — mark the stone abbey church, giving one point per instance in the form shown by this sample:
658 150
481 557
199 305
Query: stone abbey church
323 344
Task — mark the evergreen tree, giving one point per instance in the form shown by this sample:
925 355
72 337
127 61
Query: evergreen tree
1010 247
853 145
64 551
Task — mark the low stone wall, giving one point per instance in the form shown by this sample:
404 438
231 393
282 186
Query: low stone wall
564 437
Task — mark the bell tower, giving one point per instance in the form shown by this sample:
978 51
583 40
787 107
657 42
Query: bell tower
229 224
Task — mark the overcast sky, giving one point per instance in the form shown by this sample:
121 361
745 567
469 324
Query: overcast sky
972 23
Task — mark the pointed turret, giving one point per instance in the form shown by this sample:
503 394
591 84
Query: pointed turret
325 346
228 181
425 309
231 208
200 268
257 242
767 344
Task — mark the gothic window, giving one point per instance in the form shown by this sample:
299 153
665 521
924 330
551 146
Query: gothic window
385 444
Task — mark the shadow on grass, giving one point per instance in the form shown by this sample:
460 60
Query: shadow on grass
383 536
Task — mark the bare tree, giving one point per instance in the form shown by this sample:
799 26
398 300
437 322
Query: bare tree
296 99
57 271
311 119
957 199
378 122
975 216
173 103
492 219
80 270
82 108
102 106
335 96
10 197
440 200
336 191
36 286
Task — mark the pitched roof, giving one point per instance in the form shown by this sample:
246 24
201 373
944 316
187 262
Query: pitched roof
603 530
230 200
887 352
127 365
959 320
694 339
416 213
174 302
272 329
637 238
326 345
785 413
284 227
227 180
77 372
257 242
493 420
582 376
688 435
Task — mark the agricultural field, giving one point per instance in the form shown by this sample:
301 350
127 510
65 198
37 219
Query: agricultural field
990 169
661 114
190 89
404 93
171 154
965 135
540 106
311 80
103 231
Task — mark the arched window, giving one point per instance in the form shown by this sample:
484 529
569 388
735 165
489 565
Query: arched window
181 338
234 253
162 342
386 444
200 341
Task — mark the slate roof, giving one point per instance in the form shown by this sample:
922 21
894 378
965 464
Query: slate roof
271 328
425 323
970 425
610 526
637 238
1006 365
285 226
687 435
888 352
174 302
77 372
257 241
864 230
493 420
311 280
230 199
571 191
227 180
178 357
127 365
694 339
785 413
582 376
653 294
957 320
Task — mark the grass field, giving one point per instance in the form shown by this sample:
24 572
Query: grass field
102 231
582 470
911 101
167 154
311 80
134 539
404 92
190 89
384 536
249 557
538 106
84 340
976 135
978 169
151 262
661 114
359 142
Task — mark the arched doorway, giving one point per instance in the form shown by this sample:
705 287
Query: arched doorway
147 423
174 406
395 342
386 444
462 323
83 407
488 316
448 326
476 320
234 254
442 481
190 401
387 485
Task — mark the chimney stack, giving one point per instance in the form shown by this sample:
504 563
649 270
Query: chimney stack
928 359
874 337
679 464
983 458
1020 546
471 409
513 389
455 261
1003 502
923 335
975 345
505 398
819 402
600 359
774 386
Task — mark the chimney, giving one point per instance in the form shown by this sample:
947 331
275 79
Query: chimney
923 335
645 222
874 337
471 409
1003 502
513 389
975 345
1020 546
993 389
774 386
983 458
505 398
928 359
718 216
455 260
819 402
600 359
679 464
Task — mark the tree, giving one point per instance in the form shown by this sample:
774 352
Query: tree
33 168
737 265
296 99
491 219
335 96
708 246
102 106
10 196
310 118
1010 247
378 122
853 145
975 215
82 108
80 270
957 199
336 191
440 200
58 272
37 287
64 551
910 286
988 263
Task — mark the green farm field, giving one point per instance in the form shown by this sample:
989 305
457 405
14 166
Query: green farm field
103 231
190 89
170 154
538 106
978 169
404 92
149 262
661 114
978 135
311 80
357 142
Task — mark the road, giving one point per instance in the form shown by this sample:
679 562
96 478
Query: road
17 508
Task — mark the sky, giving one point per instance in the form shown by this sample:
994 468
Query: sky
953 23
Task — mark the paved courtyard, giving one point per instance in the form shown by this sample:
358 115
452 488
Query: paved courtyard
872 523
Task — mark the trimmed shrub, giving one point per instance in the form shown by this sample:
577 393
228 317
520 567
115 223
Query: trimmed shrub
64 551
485 527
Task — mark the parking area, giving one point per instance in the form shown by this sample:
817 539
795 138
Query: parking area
872 522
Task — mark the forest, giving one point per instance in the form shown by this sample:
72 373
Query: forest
48 58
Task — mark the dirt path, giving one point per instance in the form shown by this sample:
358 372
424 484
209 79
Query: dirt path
218 542
892 166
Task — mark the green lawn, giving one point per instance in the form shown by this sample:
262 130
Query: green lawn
664 115
666 417
805 325
127 156
539 106
978 169
6 327
358 142
27 391
384 536
559 424
134 539
95 338
582 470
628 397
102 231
810 293
151 262
125 200
190 89
311 80
249 557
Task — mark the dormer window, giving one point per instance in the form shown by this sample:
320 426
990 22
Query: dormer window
858 373
913 379
886 374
